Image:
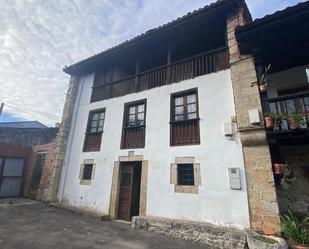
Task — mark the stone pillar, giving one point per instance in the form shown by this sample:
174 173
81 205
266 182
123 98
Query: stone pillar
263 207
61 140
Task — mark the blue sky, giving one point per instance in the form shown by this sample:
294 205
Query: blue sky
39 37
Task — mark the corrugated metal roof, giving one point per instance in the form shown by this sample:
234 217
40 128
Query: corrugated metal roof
23 124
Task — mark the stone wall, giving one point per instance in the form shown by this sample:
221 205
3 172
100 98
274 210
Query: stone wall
262 198
212 236
296 196
61 140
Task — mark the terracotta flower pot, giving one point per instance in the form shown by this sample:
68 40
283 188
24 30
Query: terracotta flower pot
293 124
263 88
278 168
269 122
300 246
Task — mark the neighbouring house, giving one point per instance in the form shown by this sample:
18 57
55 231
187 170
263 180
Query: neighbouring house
30 133
167 127
281 41
26 153
23 125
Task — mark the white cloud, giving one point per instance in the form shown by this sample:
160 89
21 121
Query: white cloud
39 37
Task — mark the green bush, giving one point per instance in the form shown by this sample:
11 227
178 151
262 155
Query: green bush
295 229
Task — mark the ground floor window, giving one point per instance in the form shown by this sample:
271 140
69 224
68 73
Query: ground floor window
87 172
185 175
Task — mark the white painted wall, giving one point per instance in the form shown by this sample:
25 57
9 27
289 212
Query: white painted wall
286 79
215 203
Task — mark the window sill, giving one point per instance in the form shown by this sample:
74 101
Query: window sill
96 132
85 182
134 127
188 189
185 121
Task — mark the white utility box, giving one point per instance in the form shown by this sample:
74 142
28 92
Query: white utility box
234 175
228 129
254 116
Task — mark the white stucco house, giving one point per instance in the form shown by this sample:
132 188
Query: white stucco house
153 129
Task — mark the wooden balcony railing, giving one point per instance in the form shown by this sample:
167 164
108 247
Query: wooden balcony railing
177 71
133 137
92 141
185 132
287 105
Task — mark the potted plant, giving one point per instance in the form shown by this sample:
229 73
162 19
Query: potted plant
269 120
295 119
278 120
263 80
295 230
278 168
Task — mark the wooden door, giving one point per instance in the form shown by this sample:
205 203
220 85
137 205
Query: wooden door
125 194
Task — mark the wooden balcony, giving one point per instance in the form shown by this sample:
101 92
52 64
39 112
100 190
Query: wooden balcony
177 71
92 141
286 106
185 132
133 137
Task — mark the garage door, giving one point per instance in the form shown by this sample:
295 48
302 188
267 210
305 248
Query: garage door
11 172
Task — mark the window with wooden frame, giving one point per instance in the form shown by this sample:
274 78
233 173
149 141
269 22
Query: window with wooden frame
184 124
94 131
134 119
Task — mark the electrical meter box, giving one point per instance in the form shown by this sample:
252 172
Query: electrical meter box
234 175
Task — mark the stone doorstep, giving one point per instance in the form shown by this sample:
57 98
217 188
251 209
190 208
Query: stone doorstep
209 234
82 212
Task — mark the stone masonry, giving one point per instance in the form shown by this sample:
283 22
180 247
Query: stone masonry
263 206
61 139
212 236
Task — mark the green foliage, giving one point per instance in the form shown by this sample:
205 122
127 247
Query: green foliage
295 229
265 239
264 79
278 119
298 116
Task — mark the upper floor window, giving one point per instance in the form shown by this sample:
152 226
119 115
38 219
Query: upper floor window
133 132
96 121
94 130
136 115
184 125
185 107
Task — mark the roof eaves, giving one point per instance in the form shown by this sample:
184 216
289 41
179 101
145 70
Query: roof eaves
70 69
274 16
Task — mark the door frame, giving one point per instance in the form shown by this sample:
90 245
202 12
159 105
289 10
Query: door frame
114 199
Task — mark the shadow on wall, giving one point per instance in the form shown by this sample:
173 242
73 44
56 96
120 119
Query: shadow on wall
294 194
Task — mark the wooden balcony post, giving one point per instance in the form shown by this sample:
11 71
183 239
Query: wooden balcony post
168 69
137 69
